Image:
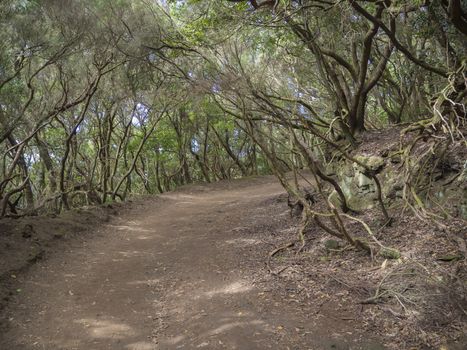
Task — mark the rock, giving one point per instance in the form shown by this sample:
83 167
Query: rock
374 163
364 182
27 231
451 257
390 253
331 244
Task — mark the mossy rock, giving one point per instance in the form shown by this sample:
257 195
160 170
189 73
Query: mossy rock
332 244
390 253
374 163
364 181
450 257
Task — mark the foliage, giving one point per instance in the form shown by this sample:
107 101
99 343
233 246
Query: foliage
104 99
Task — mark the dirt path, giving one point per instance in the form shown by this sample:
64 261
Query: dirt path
176 273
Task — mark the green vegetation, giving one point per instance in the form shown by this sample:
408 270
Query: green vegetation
101 99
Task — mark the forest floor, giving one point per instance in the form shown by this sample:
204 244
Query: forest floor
186 270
